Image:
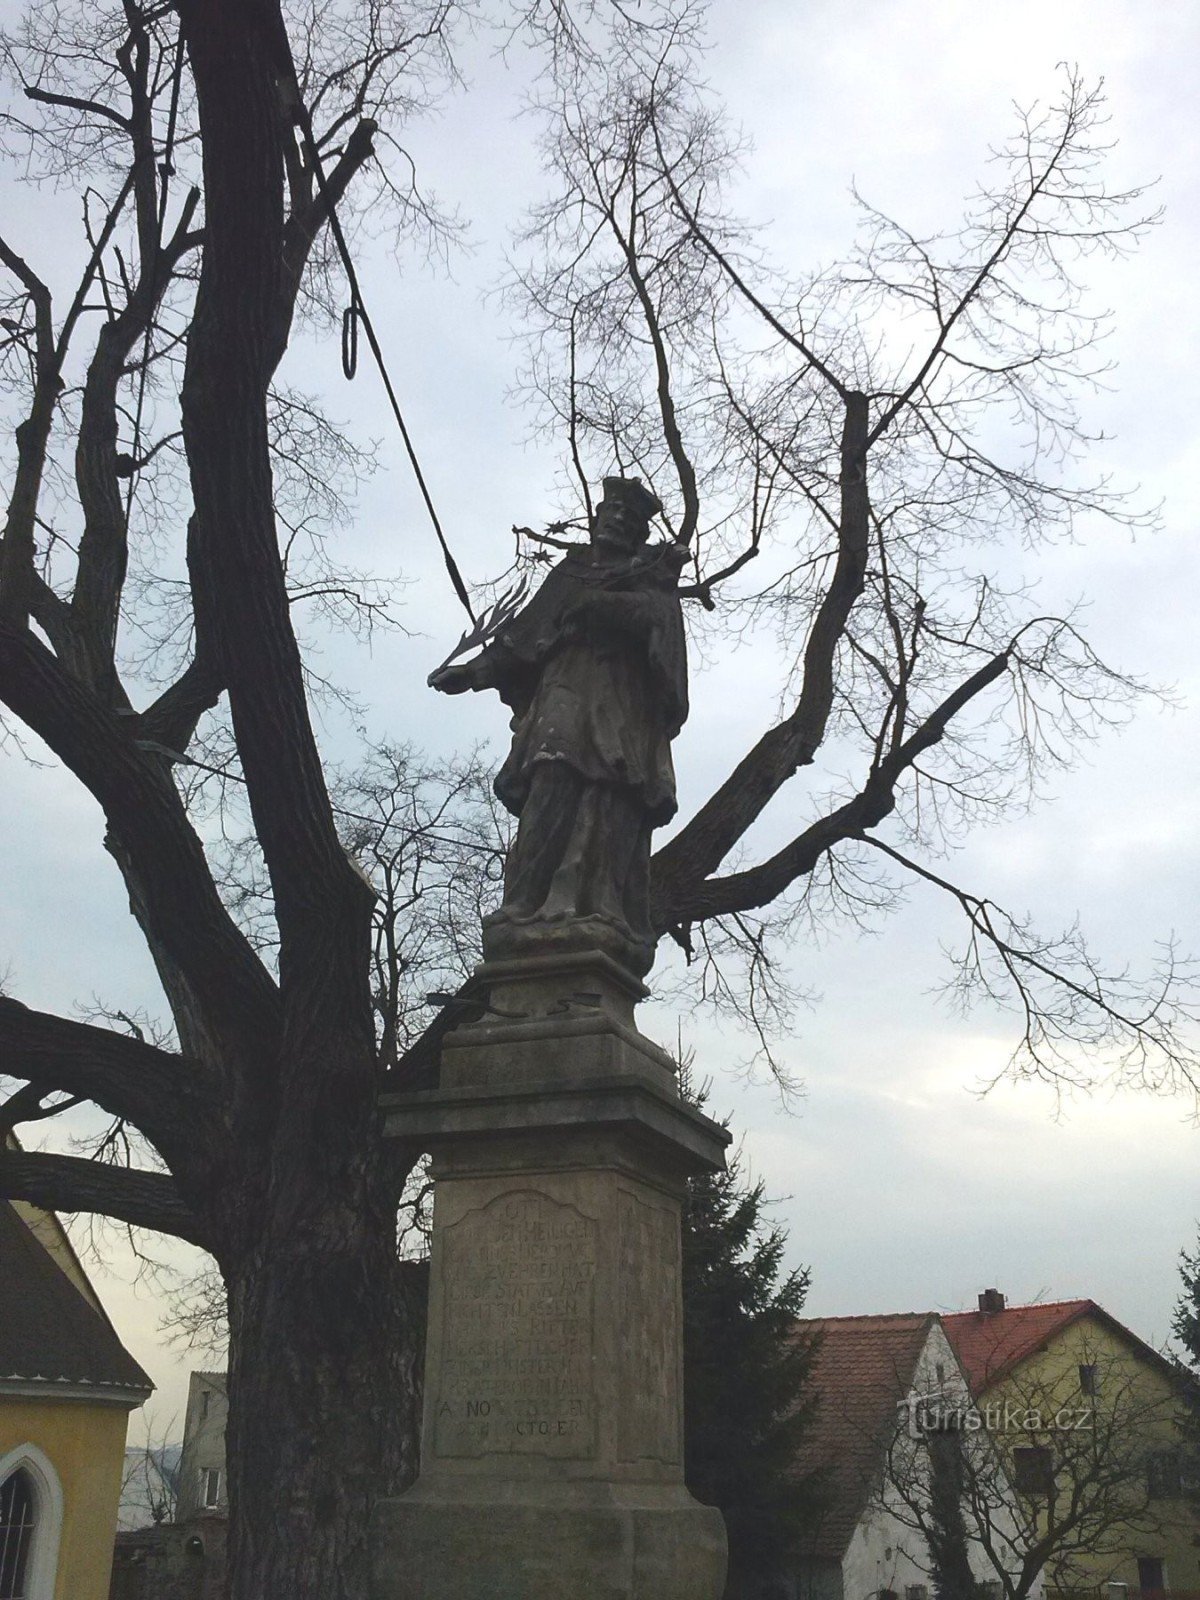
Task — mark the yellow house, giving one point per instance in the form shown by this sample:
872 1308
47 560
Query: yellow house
1085 1414
67 1386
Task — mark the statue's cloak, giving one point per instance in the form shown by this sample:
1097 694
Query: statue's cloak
605 696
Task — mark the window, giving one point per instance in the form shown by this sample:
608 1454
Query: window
1151 1577
205 1397
916 1591
1033 1470
16 1535
31 1515
1088 1381
210 1488
1164 1475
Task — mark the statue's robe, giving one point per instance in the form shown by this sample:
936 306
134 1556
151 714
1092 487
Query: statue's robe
596 702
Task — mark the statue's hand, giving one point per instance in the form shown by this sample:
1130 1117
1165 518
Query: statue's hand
457 678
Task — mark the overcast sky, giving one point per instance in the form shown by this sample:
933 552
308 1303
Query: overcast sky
897 1183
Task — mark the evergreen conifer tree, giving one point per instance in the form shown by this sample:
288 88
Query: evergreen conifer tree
1186 1328
746 1404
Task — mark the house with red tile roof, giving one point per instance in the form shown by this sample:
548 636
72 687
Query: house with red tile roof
869 1374
1054 1426
1118 1466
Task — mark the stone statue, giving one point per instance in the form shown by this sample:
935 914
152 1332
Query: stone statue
594 668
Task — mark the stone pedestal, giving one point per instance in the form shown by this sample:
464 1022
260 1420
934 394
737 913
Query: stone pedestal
552 1452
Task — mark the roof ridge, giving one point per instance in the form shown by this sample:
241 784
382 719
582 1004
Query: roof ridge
1031 1305
872 1316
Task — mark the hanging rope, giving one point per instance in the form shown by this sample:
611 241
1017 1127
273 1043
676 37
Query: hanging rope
356 315
350 341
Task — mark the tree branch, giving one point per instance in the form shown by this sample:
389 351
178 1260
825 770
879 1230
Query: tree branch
103 545
70 1183
173 1100
700 847
171 719
146 816
306 221
71 102
322 905
676 902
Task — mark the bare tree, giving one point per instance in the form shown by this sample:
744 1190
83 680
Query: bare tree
1044 1482
884 438
150 1480
262 1119
166 529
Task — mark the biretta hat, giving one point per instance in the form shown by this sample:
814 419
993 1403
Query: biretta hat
635 495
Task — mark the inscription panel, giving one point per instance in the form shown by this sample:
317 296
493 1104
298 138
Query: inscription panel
649 1426
517 1331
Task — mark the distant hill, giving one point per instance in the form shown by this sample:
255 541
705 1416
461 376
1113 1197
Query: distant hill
149 1486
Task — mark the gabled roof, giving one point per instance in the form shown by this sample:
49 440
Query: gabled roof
864 1367
990 1345
49 1333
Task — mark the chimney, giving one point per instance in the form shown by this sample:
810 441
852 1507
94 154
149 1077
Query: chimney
991 1301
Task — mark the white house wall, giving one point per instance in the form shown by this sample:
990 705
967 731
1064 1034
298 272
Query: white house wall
883 1553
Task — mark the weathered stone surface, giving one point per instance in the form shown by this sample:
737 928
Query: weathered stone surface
594 668
517 1349
504 1551
552 1455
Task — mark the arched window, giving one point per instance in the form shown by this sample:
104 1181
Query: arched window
16 1535
31 1512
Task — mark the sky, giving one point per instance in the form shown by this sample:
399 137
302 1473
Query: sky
900 1185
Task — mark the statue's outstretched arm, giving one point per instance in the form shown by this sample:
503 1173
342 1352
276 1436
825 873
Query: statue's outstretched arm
487 670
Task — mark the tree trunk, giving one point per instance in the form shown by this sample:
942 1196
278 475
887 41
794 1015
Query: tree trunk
323 1390
321 1399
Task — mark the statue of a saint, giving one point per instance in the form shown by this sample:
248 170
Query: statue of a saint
594 668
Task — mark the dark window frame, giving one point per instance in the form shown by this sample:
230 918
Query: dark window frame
18 1528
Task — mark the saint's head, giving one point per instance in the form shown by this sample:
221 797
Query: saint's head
622 521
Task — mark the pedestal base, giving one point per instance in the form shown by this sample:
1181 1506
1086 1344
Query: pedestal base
552 1447
637 1544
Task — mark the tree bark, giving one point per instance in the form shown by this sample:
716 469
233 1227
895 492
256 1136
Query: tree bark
323 1389
72 1183
321 1394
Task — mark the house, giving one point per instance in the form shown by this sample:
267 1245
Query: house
871 1375
67 1386
1086 1414
202 1486
184 1558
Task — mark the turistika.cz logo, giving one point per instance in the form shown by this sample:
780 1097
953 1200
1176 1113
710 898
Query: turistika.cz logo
924 1414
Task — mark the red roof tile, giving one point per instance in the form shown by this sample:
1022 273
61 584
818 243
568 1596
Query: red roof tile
989 1344
863 1369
